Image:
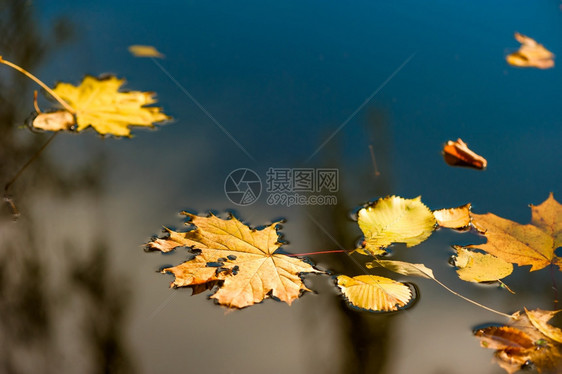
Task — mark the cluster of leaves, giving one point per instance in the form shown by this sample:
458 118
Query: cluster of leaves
244 266
528 340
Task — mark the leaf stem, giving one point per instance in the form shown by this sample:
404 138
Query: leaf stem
39 82
469 300
431 276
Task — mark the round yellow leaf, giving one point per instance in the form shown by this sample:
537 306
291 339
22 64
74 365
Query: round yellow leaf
395 220
375 293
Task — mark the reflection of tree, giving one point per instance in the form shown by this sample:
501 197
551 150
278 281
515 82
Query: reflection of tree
365 336
105 305
32 298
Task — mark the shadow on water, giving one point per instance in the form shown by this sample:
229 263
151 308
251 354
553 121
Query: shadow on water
36 310
365 337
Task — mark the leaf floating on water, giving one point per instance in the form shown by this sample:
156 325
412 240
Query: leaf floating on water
539 318
99 103
479 267
375 293
59 120
145 51
522 343
532 244
404 268
531 54
253 271
458 154
394 220
453 218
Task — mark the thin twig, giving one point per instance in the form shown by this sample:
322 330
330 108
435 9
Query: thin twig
471 301
39 82
7 198
431 276
35 104
377 173
554 287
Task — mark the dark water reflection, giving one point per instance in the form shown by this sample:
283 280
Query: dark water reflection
78 293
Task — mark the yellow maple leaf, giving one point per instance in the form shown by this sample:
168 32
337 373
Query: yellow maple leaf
99 103
532 244
531 54
243 260
394 219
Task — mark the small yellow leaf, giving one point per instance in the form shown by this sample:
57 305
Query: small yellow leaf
479 267
375 293
395 220
59 120
145 51
539 318
531 54
453 218
404 268
100 104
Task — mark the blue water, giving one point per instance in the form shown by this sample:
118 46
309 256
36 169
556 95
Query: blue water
281 79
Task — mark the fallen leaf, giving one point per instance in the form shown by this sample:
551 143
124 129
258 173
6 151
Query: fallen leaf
532 244
539 318
531 54
394 220
458 154
521 344
453 218
98 103
145 51
479 267
375 293
504 337
242 260
59 120
404 268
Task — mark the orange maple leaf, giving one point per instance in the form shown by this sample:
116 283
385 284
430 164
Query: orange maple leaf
532 244
243 261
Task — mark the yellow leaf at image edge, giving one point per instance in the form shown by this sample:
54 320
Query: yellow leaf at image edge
527 339
375 293
100 104
532 244
249 270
